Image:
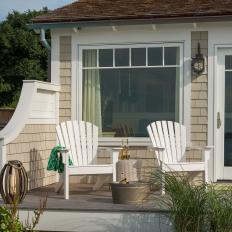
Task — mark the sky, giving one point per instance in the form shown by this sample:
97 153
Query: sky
24 5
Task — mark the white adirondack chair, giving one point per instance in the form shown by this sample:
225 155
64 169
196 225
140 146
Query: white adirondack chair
81 142
169 142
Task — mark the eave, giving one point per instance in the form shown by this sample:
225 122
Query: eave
112 22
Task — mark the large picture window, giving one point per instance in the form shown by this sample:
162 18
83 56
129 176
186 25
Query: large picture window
126 88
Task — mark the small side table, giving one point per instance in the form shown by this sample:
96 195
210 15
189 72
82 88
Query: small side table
129 169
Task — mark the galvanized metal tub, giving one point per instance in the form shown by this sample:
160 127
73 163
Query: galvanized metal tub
132 193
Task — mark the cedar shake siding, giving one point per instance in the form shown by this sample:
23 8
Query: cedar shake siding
199 96
65 78
32 147
30 134
101 10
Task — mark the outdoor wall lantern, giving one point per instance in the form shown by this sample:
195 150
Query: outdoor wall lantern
198 62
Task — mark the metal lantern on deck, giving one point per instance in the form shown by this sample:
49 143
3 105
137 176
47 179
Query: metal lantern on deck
13 181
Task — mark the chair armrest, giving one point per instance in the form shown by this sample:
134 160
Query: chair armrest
64 150
155 148
110 148
199 148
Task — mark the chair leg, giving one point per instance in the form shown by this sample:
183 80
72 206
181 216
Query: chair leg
60 184
115 160
207 166
163 184
114 176
66 183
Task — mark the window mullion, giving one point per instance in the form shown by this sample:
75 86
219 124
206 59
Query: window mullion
163 57
146 57
114 58
97 57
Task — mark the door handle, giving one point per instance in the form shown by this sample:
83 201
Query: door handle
219 122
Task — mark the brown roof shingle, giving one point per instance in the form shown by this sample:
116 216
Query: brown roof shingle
98 10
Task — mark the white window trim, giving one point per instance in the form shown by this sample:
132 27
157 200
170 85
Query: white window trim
133 141
212 101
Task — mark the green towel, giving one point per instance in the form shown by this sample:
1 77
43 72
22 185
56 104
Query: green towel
55 162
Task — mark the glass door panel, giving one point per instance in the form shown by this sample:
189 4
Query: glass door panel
223 116
228 112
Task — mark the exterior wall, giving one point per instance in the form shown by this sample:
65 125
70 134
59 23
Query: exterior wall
32 147
65 78
199 96
195 95
126 35
199 93
199 108
30 134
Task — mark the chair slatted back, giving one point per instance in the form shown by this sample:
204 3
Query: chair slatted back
81 138
172 137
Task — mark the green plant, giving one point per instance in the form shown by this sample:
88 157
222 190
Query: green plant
9 221
186 203
196 208
219 209
31 224
22 55
9 218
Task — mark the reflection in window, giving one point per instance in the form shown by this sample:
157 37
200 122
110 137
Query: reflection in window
122 57
228 62
138 56
228 117
171 56
155 56
106 58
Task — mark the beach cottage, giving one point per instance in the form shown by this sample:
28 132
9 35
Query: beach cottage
121 65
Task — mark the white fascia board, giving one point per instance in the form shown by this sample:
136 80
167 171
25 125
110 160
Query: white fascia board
44 85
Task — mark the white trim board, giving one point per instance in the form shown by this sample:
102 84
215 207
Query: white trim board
183 69
221 172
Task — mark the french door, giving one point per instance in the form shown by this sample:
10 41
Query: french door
224 114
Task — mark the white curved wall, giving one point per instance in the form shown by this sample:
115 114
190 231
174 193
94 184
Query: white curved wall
30 134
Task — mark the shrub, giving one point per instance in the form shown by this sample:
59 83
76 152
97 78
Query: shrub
9 219
219 209
201 208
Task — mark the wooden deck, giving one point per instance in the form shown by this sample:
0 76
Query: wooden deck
94 211
82 198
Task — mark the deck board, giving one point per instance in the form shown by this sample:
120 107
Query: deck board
82 198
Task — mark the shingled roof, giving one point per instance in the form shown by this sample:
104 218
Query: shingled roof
99 10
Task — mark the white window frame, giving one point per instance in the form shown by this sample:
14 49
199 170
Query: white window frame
133 141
